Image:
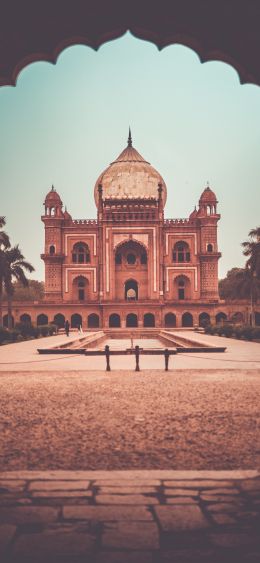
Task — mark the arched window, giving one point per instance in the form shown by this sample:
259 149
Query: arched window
80 253
131 320
93 320
187 320
204 319
76 320
131 258
209 248
237 318
52 250
114 321
26 319
131 290
181 289
181 252
170 320
81 289
149 320
42 319
59 320
221 317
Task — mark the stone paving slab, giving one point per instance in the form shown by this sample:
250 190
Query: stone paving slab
174 517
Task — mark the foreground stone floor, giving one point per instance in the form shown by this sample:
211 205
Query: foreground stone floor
130 516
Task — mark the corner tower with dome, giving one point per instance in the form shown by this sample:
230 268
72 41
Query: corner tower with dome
131 267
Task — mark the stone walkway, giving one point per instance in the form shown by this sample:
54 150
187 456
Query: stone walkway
23 356
130 516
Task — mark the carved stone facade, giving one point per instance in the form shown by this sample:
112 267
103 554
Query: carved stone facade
131 267
131 260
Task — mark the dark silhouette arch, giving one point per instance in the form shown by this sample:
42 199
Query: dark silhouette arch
40 40
114 321
221 317
26 319
149 320
42 319
187 320
237 317
80 253
204 319
181 252
59 320
170 320
93 320
131 320
76 320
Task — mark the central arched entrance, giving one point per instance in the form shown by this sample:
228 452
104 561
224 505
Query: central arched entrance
131 320
131 290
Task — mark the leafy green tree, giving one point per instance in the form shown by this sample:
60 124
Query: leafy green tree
228 287
14 267
33 292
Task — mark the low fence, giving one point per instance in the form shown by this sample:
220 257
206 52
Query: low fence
136 351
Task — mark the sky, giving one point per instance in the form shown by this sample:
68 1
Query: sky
63 124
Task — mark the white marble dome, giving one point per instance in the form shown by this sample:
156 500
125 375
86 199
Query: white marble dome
130 176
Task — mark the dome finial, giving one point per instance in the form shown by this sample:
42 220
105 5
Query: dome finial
129 141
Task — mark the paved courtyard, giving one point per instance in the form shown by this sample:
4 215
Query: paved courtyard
23 356
130 517
126 467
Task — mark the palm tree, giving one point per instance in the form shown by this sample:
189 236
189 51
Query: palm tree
4 238
252 252
4 244
14 266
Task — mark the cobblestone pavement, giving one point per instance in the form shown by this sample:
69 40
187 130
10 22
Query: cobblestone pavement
130 516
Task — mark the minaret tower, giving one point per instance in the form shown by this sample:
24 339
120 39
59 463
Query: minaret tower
53 256
209 255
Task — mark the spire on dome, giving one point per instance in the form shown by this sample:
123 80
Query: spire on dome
129 140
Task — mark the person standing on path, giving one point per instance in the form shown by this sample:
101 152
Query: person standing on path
67 327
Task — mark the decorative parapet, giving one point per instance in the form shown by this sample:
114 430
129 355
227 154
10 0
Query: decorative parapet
174 222
84 222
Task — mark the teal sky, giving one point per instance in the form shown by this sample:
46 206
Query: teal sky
64 124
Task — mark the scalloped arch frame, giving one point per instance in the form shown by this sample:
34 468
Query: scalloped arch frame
216 30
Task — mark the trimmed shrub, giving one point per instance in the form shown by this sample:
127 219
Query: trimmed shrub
25 329
47 330
227 330
14 334
247 332
238 332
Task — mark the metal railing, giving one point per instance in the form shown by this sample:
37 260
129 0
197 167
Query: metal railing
137 351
